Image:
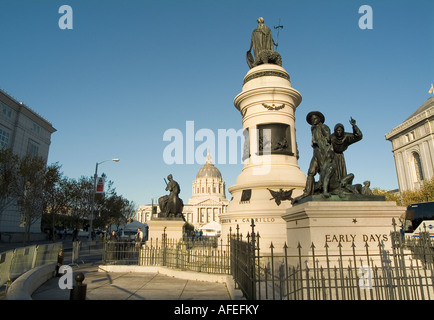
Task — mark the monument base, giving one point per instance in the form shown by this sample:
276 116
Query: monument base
345 197
173 228
343 230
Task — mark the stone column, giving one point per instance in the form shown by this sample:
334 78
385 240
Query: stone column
267 104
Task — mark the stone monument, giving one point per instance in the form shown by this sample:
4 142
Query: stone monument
271 175
170 220
288 208
333 215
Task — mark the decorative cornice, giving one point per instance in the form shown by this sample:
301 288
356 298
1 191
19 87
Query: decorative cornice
425 115
266 73
29 111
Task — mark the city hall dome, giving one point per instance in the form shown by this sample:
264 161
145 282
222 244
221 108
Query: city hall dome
208 182
208 170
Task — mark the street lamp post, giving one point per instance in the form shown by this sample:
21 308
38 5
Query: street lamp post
95 177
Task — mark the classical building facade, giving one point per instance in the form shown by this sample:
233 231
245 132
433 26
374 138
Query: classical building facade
25 132
208 199
413 147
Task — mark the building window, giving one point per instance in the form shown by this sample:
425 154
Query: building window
202 215
412 136
4 139
32 149
6 111
36 128
418 166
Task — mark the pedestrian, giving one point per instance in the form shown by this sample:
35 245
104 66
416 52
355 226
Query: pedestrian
139 237
113 236
75 235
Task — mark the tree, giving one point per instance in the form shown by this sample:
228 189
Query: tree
112 208
424 194
33 178
55 196
389 195
8 175
80 194
130 209
110 211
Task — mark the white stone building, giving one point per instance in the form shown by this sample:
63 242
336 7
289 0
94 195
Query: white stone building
208 199
413 147
25 132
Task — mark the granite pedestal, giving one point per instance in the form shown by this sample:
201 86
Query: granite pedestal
172 227
340 229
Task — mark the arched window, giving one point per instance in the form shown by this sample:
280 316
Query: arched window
418 166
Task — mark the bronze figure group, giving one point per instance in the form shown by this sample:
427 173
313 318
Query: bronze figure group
328 160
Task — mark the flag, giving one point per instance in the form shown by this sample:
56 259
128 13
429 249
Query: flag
431 90
100 185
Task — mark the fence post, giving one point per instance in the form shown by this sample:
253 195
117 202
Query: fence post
253 261
258 266
301 272
78 292
164 240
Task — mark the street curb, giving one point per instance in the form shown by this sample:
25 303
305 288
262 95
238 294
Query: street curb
23 287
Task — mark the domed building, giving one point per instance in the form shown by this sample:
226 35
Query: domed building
208 199
208 183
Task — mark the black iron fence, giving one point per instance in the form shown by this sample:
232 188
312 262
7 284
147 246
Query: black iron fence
123 252
200 255
402 272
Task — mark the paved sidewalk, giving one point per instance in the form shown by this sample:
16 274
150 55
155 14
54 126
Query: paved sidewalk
134 286
127 285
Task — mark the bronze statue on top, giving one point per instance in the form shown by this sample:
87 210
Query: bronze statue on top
171 205
262 44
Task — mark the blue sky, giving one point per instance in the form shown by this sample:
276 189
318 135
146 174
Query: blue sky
130 70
